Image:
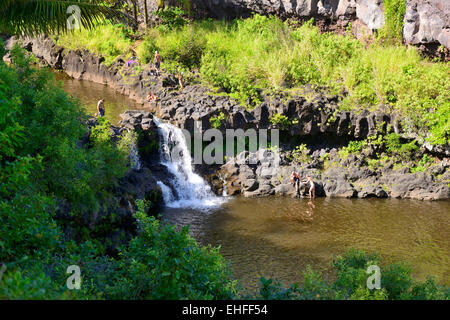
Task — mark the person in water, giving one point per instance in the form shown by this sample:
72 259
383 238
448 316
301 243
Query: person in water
101 108
312 187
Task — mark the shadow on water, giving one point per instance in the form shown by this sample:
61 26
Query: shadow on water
279 237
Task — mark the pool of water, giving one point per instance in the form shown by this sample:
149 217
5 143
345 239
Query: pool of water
279 237
89 93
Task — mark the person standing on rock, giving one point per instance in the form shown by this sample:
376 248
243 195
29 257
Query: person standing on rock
295 179
151 97
101 108
312 187
181 80
157 62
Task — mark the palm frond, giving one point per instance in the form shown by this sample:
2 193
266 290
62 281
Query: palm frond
32 17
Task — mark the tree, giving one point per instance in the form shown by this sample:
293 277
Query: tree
31 17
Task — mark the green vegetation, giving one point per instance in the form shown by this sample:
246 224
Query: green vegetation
261 55
394 12
351 282
280 120
380 150
352 148
108 39
42 163
300 154
43 166
217 121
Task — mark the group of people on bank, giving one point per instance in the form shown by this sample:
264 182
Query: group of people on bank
303 183
150 96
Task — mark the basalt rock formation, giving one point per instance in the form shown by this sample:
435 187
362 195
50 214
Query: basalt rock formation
335 176
316 117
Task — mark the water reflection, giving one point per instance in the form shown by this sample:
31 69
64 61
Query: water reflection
89 93
301 213
279 237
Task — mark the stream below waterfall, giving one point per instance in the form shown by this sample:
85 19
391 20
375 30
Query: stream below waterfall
279 237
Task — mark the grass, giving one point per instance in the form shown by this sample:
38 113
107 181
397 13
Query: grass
249 58
109 40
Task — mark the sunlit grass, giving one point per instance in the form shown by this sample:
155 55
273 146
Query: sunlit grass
264 54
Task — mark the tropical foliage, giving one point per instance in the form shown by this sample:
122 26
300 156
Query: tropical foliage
32 17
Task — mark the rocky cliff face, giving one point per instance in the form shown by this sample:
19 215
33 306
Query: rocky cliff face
427 21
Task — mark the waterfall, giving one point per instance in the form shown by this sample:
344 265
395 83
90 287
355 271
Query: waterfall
191 190
134 157
166 192
224 185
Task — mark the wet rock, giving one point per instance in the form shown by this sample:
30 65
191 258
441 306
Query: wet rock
263 190
250 185
339 188
285 189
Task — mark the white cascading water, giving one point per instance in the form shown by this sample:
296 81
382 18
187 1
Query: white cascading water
192 191
134 156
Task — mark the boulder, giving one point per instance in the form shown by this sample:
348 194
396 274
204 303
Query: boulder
338 188
427 21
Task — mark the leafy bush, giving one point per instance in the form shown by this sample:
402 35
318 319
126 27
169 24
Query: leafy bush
351 282
172 18
165 264
300 154
352 147
216 122
280 120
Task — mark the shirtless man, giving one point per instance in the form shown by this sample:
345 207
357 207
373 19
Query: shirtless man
295 179
151 97
101 108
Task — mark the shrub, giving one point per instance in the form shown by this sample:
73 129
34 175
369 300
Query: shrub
394 12
171 18
216 122
280 120
397 280
165 264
